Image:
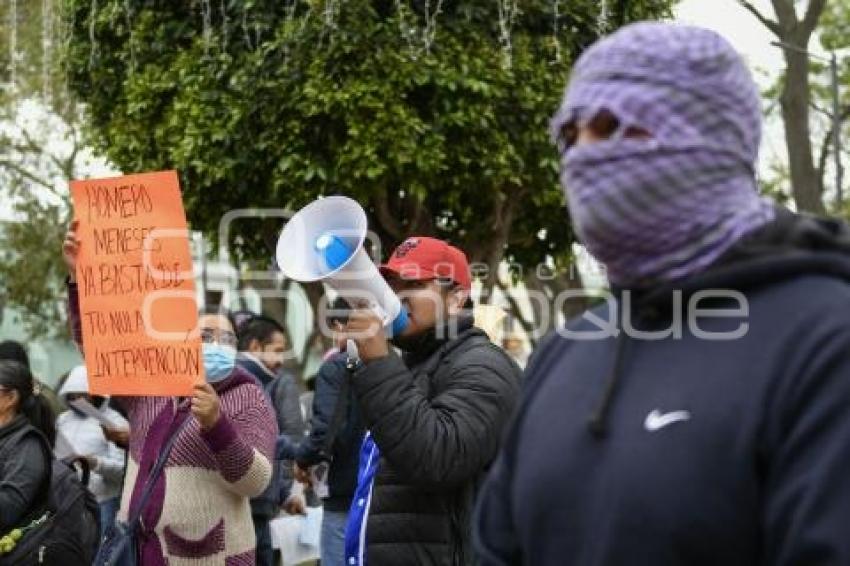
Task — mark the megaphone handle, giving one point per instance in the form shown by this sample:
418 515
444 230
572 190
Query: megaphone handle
353 360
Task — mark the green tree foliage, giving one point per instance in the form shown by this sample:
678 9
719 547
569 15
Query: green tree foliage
432 114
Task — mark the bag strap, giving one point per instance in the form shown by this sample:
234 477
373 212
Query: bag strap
85 469
155 473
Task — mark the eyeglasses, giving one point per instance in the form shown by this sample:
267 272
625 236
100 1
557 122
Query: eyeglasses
221 337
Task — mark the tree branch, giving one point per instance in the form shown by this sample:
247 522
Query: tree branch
72 159
388 222
824 147
420 219
516 311
767 22
34 147
814 106
28 175
813 12
785 14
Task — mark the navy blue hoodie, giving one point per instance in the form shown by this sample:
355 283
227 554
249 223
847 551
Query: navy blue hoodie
690 451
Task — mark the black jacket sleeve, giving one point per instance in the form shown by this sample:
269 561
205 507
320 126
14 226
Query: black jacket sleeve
23 479
449 439
287 400
287 404
328 384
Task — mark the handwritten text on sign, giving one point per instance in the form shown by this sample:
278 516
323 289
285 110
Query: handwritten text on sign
137 294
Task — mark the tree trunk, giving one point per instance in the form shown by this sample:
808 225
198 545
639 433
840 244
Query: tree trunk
793 34
795 115
492 252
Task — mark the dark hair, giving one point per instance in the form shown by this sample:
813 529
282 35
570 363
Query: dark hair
241 317
14 351
15 376
338 311
260 328
218 311
448 285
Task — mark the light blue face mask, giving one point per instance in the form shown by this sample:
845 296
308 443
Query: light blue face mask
219 362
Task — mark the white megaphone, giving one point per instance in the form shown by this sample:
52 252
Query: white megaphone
324 241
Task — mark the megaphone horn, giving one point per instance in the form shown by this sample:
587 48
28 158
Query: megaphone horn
324 242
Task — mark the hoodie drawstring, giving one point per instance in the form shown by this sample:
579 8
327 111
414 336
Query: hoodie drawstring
598 422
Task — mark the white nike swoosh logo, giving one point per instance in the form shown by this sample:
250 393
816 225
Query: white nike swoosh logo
656 419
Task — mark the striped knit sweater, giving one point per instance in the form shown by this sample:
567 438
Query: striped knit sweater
199 512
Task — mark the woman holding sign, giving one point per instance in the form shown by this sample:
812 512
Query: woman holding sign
198 512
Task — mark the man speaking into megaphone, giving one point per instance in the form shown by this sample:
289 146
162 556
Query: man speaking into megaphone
435 414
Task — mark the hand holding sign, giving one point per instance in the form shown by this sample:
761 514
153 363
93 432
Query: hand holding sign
205 405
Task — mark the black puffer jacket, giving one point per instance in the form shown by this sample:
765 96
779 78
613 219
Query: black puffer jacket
437 417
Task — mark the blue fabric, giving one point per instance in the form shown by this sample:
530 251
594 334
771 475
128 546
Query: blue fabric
108 512
333 537
355 530
219 362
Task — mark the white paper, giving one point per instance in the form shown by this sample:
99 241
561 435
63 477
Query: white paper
89 410
311 530
286 533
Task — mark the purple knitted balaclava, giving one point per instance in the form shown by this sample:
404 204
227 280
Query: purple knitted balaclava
662 207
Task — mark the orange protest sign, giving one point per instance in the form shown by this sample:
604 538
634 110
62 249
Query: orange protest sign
137 292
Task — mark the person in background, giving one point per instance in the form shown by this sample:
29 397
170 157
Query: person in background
11 350
86 439
699 415
333 446
263 343
26 434
199 514
513 344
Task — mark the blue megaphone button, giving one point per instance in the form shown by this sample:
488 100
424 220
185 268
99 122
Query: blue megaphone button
333 250
400 322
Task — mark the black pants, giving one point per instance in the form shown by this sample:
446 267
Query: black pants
265 551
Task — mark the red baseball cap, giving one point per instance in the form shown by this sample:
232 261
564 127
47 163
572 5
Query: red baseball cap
419 258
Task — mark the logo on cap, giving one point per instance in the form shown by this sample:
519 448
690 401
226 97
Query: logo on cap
406 247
